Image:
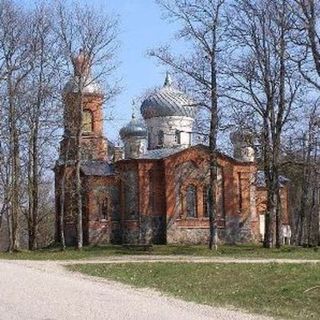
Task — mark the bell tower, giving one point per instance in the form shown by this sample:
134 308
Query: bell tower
82 88
242 141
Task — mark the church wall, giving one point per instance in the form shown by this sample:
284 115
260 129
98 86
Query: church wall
242 225
142 201
69 204
101 210
129 201
152 201
234 221
96 228
261 204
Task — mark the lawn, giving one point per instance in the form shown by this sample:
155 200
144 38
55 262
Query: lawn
236 251
269 289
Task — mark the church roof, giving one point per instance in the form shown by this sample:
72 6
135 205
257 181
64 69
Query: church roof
96 168
168 101
161 153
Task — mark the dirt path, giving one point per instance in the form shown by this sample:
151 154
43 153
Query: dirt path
155 258
44 290
190 259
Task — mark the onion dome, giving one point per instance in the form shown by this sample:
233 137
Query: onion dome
168 101
242 137
81 65
135 128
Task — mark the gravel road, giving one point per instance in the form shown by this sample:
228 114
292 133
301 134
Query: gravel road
31 290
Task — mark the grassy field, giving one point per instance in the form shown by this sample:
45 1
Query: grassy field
272 289
240 251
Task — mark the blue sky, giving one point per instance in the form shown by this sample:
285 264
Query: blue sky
141 28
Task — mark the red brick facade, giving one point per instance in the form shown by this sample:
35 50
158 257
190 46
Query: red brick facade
146 201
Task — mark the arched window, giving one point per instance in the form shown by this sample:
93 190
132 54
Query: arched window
191 201
104 209
87 121
160 138
152 190
190 138
149 140
177 137
206 201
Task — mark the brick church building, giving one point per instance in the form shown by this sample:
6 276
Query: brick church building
154 189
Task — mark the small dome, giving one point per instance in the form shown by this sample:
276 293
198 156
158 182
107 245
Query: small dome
135 128
241 136
167 102
91 87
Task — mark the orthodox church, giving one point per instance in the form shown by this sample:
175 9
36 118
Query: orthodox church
154 189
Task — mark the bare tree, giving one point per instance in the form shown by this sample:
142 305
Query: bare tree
203 27
14 70
305 161
265 81
95 34
41 106
307 38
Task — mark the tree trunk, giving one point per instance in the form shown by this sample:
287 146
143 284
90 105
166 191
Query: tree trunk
15 172
78 169
35 187
278 222
62 197
267 243
213 239
62 208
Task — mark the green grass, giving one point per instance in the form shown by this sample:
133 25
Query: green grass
269 289
239 251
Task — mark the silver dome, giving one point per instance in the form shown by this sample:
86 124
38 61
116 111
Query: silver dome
168 101
135 128
91 86
241 136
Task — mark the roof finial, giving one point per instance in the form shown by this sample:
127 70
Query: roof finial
168 80
133 103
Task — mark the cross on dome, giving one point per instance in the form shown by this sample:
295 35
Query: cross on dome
168 80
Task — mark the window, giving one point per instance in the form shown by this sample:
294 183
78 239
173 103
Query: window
206 201
87 121
149 140
191 199
104 209
177 137
239 192
160 138
152 190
